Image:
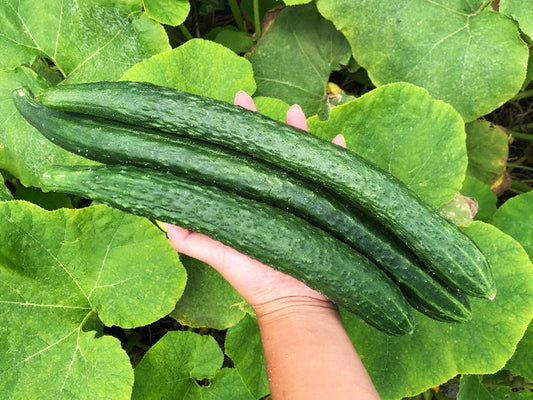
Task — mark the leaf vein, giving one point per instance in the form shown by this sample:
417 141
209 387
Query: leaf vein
435 45
26 28
106 255
58 29
451 10
30 304
53 257
97 51
306 55
289 84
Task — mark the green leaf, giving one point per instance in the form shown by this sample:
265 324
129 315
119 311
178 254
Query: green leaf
209 300
438 351
87 41
272 107
237 41
474 60
243 346
172 367
472 388
186 68
296 2
529 77
522 362
24 152
227 384
68 363
400 128
58 271
488 149
169 12
294 58
521 11
5 194
486 199
48 201
515 218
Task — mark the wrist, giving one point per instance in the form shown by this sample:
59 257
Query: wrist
295 307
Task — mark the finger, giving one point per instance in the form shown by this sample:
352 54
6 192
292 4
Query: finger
339 140
206 249
296 117
244 100
243 272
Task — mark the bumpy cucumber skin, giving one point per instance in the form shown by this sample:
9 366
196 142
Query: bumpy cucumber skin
112 143
437 242
268 234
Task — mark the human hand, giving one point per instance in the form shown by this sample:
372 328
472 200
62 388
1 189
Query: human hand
303 337
264 288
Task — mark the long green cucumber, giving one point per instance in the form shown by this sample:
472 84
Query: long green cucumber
113 143
266 233
437 242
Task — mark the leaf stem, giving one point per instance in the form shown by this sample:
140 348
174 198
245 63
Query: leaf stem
520 187
520 166
236 11
524 95
526 127
521 136
485 4
257 21
186 32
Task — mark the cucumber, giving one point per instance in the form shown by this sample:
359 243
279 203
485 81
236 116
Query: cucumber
436 242
266 233
113 143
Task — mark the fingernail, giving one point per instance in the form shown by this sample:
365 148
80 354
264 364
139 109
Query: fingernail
244 100
339 140
295 108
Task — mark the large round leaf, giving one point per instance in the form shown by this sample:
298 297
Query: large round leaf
522 362
208 300
295 57
438 351
172 368
198 66
58 272
488 149
473 388
88 41
5 194
243 346
400 128
486 199
515 217
170 12
24 152
464 54
272 107
522 11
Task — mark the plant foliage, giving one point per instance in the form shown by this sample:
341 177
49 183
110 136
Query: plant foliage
94 303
